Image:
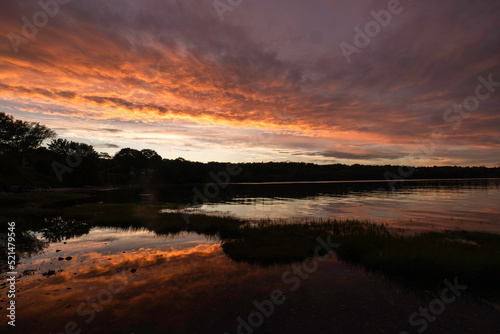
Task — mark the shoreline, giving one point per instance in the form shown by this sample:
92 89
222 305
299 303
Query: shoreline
109 188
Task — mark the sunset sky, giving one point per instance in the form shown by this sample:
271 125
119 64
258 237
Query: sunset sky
259 80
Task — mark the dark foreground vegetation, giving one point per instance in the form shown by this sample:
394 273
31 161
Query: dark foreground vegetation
26 164
420 261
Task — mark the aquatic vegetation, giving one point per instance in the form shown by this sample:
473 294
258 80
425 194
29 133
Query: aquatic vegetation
416 260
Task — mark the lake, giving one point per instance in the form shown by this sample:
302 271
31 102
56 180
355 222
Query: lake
132 276
444 204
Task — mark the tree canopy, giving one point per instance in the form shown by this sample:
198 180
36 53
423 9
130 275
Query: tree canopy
21 136
65 147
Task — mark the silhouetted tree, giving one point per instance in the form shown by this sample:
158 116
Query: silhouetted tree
6 131
20 136
77 163
126 159
64 147
130 160
150 159
151 156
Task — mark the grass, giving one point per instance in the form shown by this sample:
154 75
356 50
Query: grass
425 260
420 261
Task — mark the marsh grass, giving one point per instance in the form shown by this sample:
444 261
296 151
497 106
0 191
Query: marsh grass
425 260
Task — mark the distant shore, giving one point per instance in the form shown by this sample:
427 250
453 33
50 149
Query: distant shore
20 189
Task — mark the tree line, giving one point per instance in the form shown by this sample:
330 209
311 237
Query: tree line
25 162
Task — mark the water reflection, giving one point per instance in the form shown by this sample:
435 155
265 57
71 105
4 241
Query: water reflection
27 244
468 205
90 263
57 229
424 205
175 281
135 281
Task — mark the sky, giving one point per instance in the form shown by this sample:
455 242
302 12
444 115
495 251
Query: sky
323 81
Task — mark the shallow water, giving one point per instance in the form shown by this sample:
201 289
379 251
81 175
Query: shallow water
133 281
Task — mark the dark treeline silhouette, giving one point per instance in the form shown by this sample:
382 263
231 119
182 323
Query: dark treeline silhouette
24 163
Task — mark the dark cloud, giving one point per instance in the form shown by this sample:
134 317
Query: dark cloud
351 156
108 145
176 60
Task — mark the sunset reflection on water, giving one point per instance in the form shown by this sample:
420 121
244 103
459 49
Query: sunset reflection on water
134 281
466 205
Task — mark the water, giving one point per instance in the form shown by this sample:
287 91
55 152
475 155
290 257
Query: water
134 281
130 279
423 205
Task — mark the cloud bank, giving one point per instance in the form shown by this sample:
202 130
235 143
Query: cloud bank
268 82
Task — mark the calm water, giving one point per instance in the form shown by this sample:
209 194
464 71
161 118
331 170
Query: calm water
469 205
133 280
